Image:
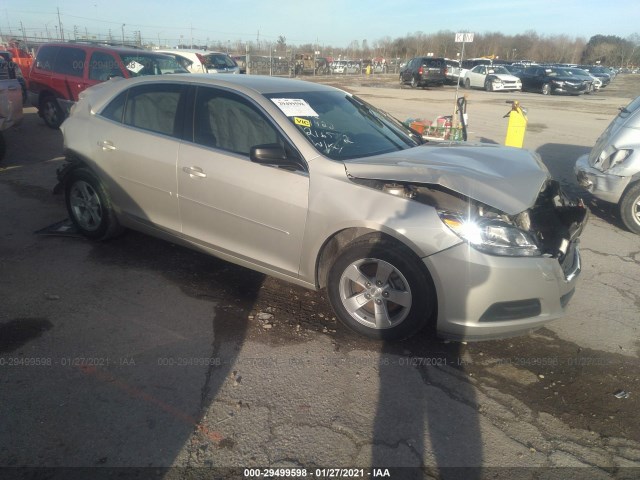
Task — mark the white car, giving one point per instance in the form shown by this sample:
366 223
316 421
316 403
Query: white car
491 78
192 60
345 66
203 61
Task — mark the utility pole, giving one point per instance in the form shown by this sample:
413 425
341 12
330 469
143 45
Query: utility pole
123 33
24 35
60 24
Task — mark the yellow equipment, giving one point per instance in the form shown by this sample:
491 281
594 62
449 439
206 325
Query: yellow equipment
517 126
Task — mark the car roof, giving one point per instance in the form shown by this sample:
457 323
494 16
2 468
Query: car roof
101 46
261 84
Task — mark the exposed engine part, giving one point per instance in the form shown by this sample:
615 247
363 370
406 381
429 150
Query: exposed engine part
554 220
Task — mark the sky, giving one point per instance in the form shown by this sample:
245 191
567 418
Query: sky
323 22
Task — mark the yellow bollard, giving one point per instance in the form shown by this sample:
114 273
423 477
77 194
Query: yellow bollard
516 127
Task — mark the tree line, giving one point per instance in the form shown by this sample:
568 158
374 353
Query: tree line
608 50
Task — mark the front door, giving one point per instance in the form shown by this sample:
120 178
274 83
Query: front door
253 212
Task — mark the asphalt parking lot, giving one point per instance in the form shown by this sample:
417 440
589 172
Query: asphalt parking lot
136 353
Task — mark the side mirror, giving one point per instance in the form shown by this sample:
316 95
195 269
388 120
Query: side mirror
272 154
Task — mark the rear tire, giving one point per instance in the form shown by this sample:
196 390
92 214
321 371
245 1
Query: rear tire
379 288
630 208
467 83
414 82
51 112
89 206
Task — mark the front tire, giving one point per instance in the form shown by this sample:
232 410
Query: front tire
630 208
89 206
467 83
51 112
378 289
488 86
546 89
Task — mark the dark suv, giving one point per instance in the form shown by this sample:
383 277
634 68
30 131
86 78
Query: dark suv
424 71
62 70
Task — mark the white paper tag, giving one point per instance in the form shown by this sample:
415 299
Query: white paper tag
294 107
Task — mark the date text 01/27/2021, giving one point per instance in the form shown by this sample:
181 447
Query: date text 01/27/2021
319 473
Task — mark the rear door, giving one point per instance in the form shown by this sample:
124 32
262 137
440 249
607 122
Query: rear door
137 147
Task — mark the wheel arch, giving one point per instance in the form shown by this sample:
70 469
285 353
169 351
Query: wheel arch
333 245
73 161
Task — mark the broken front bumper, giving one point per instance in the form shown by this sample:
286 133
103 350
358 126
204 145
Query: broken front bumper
482 297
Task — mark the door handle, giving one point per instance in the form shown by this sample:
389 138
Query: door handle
194 172
106 145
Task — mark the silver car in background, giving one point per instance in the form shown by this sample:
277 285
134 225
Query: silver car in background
611 171
313 185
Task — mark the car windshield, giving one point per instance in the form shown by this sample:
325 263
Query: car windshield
341 126
219 61
555 72
140 64
499 70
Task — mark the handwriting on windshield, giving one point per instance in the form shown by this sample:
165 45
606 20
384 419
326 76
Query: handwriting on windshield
326 140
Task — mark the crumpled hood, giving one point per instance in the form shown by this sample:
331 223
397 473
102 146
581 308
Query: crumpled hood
505 178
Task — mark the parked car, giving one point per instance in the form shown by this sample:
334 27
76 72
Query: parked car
453 71
345 67
593 83
219 62
191 60
549 80
62 70
20 55
611 171
12 70
424 72
491 78
10 102
600 72
313 185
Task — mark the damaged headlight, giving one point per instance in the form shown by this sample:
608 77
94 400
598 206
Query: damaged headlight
495 236
611 156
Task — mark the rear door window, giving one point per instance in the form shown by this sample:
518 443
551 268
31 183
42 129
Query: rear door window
70 61
155 108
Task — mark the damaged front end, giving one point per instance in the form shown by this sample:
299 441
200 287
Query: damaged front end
550 227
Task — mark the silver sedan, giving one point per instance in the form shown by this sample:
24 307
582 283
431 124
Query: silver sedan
313 185
491 78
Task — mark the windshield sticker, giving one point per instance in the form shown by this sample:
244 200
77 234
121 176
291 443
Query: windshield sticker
303 122
294 107
134 66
